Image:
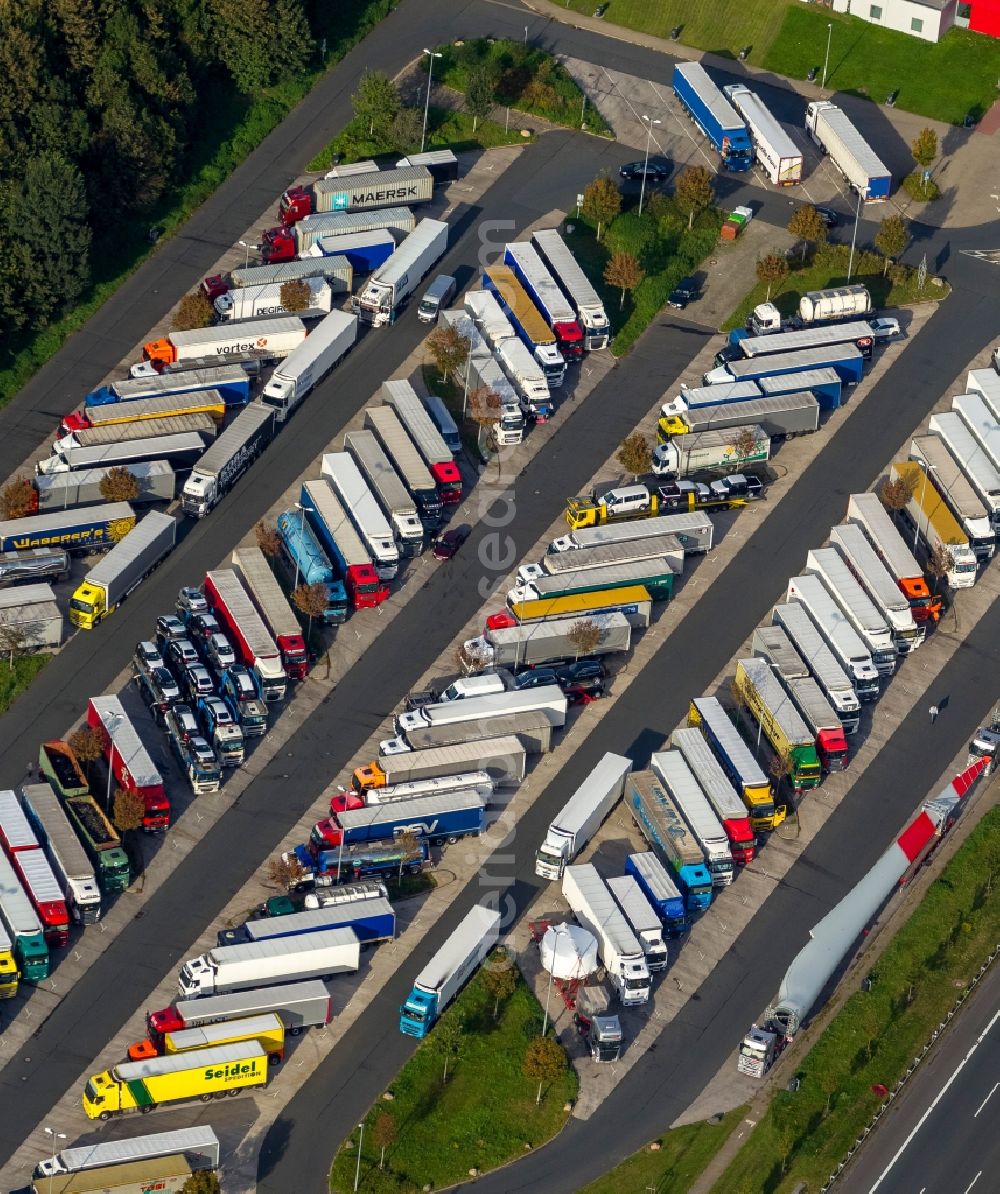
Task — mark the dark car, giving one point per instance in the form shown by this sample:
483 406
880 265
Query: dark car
180 655
148 655
738 485
828 216
686 291
202 626
538 677
184 721
583 671
447 544
197 683
653 171
168 628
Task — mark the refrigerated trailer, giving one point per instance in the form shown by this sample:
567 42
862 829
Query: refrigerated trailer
863 561
857 605
198 1146
389 491
180 451
838 631
301 371
595 909
977 466
342 472
580 818
389 287
934 454
821 662
867 511
834 133
774 149
577 287
262 339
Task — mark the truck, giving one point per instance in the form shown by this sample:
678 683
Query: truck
594 908
479 781
23 929
861 611
388 288
548 698
25 854
863 561
522 257
388 490
836 136
129 760
634 602
867 511
166 1175
660 822
532 729
928 515
258 302
933 454
982 473
985 383
198 762
142 429
526 377
267 339
272 605
335 532
401 397
122 570
336 270
838 632
58 491
660 890
579 819
347 864
708 107
773 710
229 381
625 504
198 1146
656 575
80 532
373 920
815 307
846 360
67 858
441 817
824 668
305 238
442 163
222 730
679 782
488 317
143 410
266 1029
744 772
503 757
255 648
299 373
694 530
722 393
298 1005
241 689
179 451
857 332
713 451
526 321
306 562
362 251
641 919
726 803
576 286
778 155
35 564
230 968
779 416
449 970
361 192
981 419
384 424
340 469
605 555
548 642
31 613
138 1085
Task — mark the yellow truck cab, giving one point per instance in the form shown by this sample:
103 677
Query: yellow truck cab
9 973
629 501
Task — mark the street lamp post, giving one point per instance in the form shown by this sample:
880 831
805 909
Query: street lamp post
357 1170
55 1136
431 54
303 510
854 238
928 469
114 719
645 164
246 262
826 60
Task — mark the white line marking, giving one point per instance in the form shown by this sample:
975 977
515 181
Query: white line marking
937 1099
986 1100
973 1182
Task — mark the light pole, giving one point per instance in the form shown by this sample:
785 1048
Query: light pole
854 238
246 262
431 54
113 719
826 60
55 1136
928 469
548 992
645 164
303 510
357 1171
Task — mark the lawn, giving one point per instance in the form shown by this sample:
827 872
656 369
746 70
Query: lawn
14 680
830 269
682 1156
484 1115
873 1039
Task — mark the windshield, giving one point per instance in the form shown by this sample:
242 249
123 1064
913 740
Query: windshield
765 809
413 1012
636 984
749 1050
961 569
91 1093
83 607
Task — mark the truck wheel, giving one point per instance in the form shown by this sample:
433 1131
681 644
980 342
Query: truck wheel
452 839
146 1110
104 1116
231 1094
296 1031
415 869
207 1098
221 1094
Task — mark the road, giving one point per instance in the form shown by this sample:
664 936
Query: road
940 1137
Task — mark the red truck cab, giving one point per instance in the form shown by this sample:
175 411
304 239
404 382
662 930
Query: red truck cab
364 588
295 203
504 620
569 339
345 802
76 420
215 286
278 244
294 656
448 481
158 1024
156 818
325 834
831 745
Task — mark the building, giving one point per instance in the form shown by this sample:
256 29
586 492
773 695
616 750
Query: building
926 19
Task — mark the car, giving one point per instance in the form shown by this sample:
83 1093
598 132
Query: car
654 171
148 655
164 683
221 713
738 485
181 655
677 492
169 628
191 601
582 671
538 677
201 750
219 652
446 544
197 683
184 721
202 626
686 291
577 694
884 328
829 217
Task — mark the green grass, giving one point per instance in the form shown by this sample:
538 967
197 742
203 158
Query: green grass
230 127
482 1117
682 1156
14 680
829 268
804 1135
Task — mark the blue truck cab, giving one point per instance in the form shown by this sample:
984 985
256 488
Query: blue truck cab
712 112
240 689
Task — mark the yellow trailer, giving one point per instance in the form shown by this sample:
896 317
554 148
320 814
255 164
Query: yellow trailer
162 406
204 1074
633 601
267 1030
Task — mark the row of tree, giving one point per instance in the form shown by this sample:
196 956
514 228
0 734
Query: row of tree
17 496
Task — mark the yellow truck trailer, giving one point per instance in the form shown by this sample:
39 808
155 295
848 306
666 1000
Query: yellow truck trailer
929 514
165 1175
267 1030
633 601
204 1074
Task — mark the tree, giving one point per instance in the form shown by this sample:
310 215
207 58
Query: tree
694 191
484 411
771 269
311 601
891 238
295 295
602 201
939 563
202 1181
807 226
780 766
635 455
449 350
480 92
268 539
896 492
925 148
499 978
88 746
15 640
194 311
544 1062
624 272
448 1037
284 871
260 41
128 810
745 443
119 485
376 103
407 130
383 1132
585 635
17 498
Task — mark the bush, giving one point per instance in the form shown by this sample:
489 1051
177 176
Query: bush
633 234
914 185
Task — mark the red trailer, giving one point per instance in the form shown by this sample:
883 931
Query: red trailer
256 649
24 850
129 759
272 604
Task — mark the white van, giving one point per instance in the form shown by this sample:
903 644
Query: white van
436 298
630 499
472 686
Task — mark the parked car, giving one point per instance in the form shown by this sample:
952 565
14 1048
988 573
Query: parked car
185 721
220 711
219 653
165 685
181 655
537 678
191 601
148 655
197 683
655 171
686 291
447 544
828 216
738 485
169 628
582 671
203 626
677 492
885 328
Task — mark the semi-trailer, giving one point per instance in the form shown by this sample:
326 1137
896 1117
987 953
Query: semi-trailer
230 381
815 306
266 1029
595 909
122 570
493 340
605 555
80 532
863 561
694 530
981 419
656 575
857 332
37 564
449 970
547 698
31 613
179 451
467 781
338 272
838 632
129 760
526 320
739 764
401 397
861 611
142 410
255 648
230 968
705 103
660 889
440 818
532 729
59 491
24 852
546 642
836 136
305 562
266 339
985 383
846 360
307 236
931 521
23 929
389 491
325 513
977 466
442 164
384 424
529 269
69 862
166 1175
660 822
576 286
934 455
386 291
716 451
348 864
641 919
502 757
579 819
488 317
810 645
778 155
723 393
822 720
198 1146
679 781
634 602
726 802
141 429
258 302
273 607
526 377
299 373
373 920
341 470
867 511
361 192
